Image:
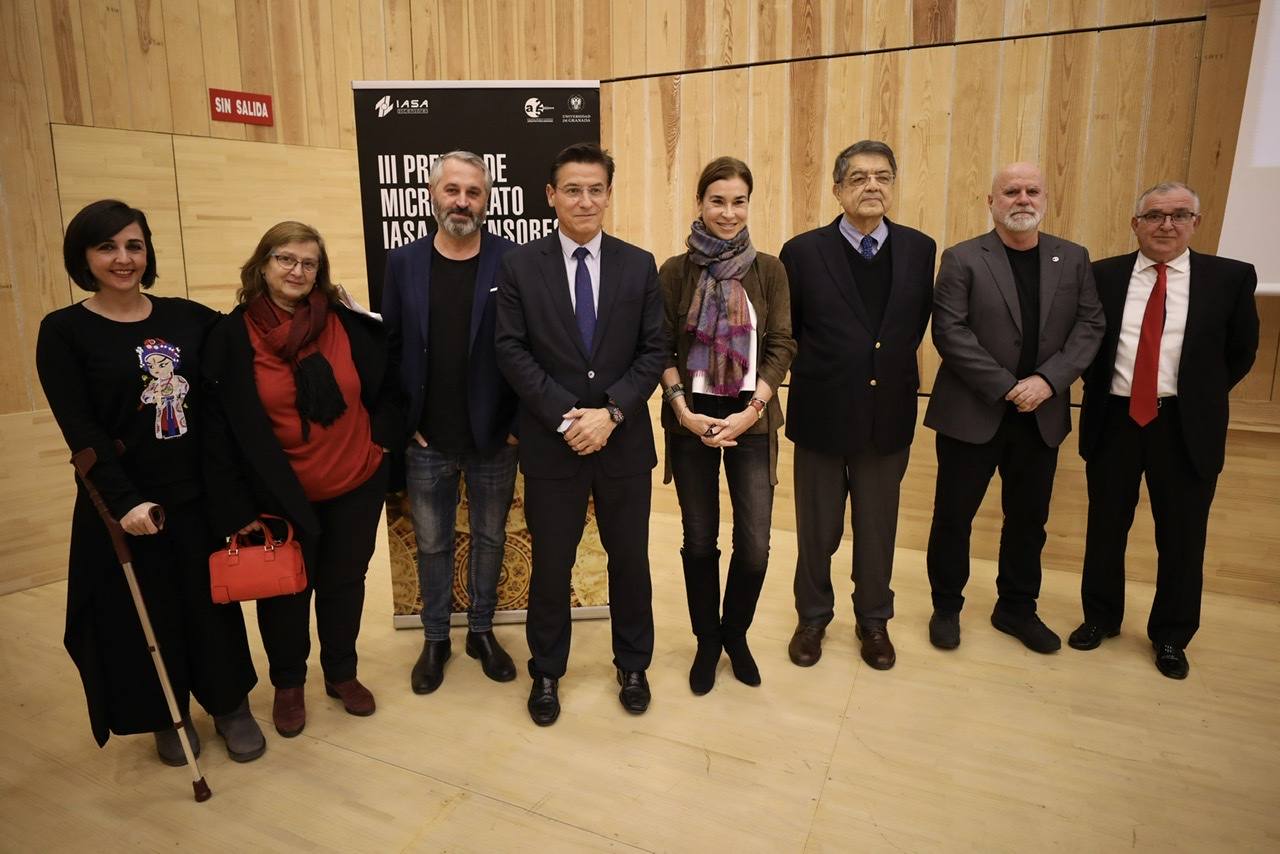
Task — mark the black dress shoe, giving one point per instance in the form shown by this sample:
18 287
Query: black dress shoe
1171 660
806 645
944 630
1088 636
428 672
877 649
544 700
494 661
634 695
1031 630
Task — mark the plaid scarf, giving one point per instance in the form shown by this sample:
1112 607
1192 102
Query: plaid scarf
719 317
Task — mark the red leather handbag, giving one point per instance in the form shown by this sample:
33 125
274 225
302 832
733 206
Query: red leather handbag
242 571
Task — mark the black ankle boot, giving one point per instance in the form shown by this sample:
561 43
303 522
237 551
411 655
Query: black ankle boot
744 664
702 675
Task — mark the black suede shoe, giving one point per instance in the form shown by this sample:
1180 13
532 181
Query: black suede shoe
1171 661
428 672
634 695
544 700
743 663
1031 630
944 630
702 675
494 661
1088 636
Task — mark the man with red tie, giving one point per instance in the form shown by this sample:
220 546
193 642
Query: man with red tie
1182 329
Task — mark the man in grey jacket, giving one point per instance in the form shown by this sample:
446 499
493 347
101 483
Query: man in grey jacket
1016 319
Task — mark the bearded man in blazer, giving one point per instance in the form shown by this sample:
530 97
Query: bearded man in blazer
579 337
1016 320
861 291
1182 330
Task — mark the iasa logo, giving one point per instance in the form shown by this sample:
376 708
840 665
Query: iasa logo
534 108
386 105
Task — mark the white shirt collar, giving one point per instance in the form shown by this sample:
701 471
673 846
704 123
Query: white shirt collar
567 246
1182 263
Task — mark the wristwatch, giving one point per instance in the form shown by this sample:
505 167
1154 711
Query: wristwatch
758 405
615 413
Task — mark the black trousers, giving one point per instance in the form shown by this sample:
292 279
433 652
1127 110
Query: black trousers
336 566
1026 465
1180 501
556 510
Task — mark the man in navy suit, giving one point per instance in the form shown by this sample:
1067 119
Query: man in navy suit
580 339
1182 330
861 291
439 308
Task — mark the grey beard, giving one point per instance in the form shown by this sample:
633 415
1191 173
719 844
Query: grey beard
458 228
1015 224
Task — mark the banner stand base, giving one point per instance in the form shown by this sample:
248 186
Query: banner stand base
587 612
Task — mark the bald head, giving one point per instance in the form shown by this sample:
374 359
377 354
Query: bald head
1017 202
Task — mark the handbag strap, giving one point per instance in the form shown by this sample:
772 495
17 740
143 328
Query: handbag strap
270 543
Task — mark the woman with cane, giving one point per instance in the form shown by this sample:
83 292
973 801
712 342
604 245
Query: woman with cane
118 371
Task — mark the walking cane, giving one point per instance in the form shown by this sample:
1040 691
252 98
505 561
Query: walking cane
84 461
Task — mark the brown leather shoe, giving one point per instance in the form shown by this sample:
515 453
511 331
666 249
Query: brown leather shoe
356 698
289 711
806 645
877 649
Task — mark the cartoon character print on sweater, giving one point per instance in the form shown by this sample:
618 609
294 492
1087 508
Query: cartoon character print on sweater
165 387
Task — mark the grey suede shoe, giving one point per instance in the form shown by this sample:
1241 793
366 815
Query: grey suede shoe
170 748
241 733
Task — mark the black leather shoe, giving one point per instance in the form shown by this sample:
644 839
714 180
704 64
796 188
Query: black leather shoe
634 695
494 661
1088 636
544 700
944 630
1171 661
806 645
1031 630
877 649
428 672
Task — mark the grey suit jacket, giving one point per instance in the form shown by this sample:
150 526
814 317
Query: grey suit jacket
977 328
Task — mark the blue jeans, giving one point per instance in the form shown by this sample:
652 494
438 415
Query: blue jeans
432 480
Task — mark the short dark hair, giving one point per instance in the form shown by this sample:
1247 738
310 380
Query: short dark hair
862 146
583 152
722 168
95 223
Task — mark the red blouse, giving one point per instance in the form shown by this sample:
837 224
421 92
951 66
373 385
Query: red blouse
337 458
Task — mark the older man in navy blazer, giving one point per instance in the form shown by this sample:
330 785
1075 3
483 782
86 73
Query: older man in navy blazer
580 339
439 307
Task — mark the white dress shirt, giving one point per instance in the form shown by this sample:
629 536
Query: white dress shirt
567 246
1177 297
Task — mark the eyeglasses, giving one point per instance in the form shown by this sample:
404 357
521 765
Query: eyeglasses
1157 218
287 262
595 192
858 180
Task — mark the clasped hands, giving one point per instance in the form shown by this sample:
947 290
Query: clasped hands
1027 394
589 431
718 432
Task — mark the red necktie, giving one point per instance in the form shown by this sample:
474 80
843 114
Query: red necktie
1146 364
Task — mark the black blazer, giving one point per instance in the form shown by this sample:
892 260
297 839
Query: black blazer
246 471
491 404
542 355
1218 348
833 406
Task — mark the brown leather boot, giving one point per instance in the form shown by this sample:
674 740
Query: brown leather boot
289 711
356 698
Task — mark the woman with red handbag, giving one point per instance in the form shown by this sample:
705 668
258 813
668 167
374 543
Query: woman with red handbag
119 370
303 407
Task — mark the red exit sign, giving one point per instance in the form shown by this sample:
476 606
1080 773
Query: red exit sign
249 108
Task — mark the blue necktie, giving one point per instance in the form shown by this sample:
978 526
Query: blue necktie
585 308
868 247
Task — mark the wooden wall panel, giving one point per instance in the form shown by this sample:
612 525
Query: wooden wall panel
1023 17
1175 59
807 165
629 39
1024 70
257 71
66 78
220 51
731 32
769 133
135 167
31 279
1066 130
320 73
105 64
845 121
147 61
888 23
373 46
979 19
347 66
1074 14
288 71
842 26
597 40
926 146
188 92
664 36
973 140
231 192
